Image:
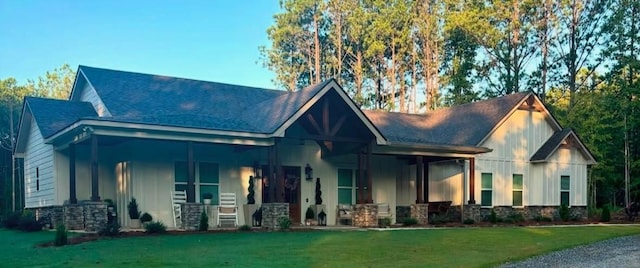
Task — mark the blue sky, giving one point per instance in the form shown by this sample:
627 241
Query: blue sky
207 40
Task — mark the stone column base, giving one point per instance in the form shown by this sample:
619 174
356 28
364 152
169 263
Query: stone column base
471 212
271 212
365 215
73 215
190 218
420 212
95 216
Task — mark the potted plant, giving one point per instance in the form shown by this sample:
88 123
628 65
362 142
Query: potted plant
146 217
134 214
309 216
206 198
318 204
250 208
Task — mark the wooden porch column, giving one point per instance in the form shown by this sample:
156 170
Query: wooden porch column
72 174
472 181
191 174
369 171
279 179
419 180
94 169
360 180
426 182
270 177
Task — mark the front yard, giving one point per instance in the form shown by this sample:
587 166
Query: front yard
457 247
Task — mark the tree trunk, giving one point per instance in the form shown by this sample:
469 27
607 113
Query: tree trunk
316 41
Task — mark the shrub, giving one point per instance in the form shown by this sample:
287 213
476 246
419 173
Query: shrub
250 192
516 217
318 192
28 223
469 221
309 214
12 220
542 218
112 229
204 221
409 221
284 223
61 238
606 214
385 222
155 227
132 207
146 217
207 196
493 217
244 228
564 212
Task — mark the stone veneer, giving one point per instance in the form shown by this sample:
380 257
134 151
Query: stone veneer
365 215
51 216
95 216
73 216
420 212
271 212
190 218
402 213
533 212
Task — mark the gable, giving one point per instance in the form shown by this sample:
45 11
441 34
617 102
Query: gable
564 147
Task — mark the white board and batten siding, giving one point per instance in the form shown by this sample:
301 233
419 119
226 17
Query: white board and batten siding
89 94
513 144
38 170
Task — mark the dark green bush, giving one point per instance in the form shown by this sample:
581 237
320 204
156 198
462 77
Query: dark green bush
493 217
284 223
542 218
244 228
155 227
409 221
146 217
309 214
469 221
132 208
564 213
606 214
61 238
385 222
204 221
28 223
12 220
516 217
112 229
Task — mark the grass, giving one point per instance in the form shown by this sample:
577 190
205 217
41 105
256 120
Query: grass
461 247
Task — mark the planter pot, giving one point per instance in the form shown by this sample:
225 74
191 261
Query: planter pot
207 201
134 224
248 210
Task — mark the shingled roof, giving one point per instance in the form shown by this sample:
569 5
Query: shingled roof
170 101
53 115
466 124
553 143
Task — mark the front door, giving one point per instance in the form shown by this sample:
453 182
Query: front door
292 192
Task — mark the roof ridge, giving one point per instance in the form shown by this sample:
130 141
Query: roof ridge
177 78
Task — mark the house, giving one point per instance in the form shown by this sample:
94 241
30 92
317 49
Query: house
124 135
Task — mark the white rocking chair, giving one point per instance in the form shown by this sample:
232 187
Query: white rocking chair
228 209
178 198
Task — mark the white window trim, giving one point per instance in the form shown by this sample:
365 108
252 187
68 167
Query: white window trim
197 182
521 190
486 189
565 191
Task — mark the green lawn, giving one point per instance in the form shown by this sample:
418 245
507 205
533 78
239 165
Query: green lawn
461 247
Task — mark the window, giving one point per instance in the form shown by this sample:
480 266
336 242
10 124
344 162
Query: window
345 186
206 180
517 190
487 189
565 186
209 181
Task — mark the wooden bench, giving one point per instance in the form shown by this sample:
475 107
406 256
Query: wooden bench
439 207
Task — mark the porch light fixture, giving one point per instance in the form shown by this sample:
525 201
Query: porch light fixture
308 172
